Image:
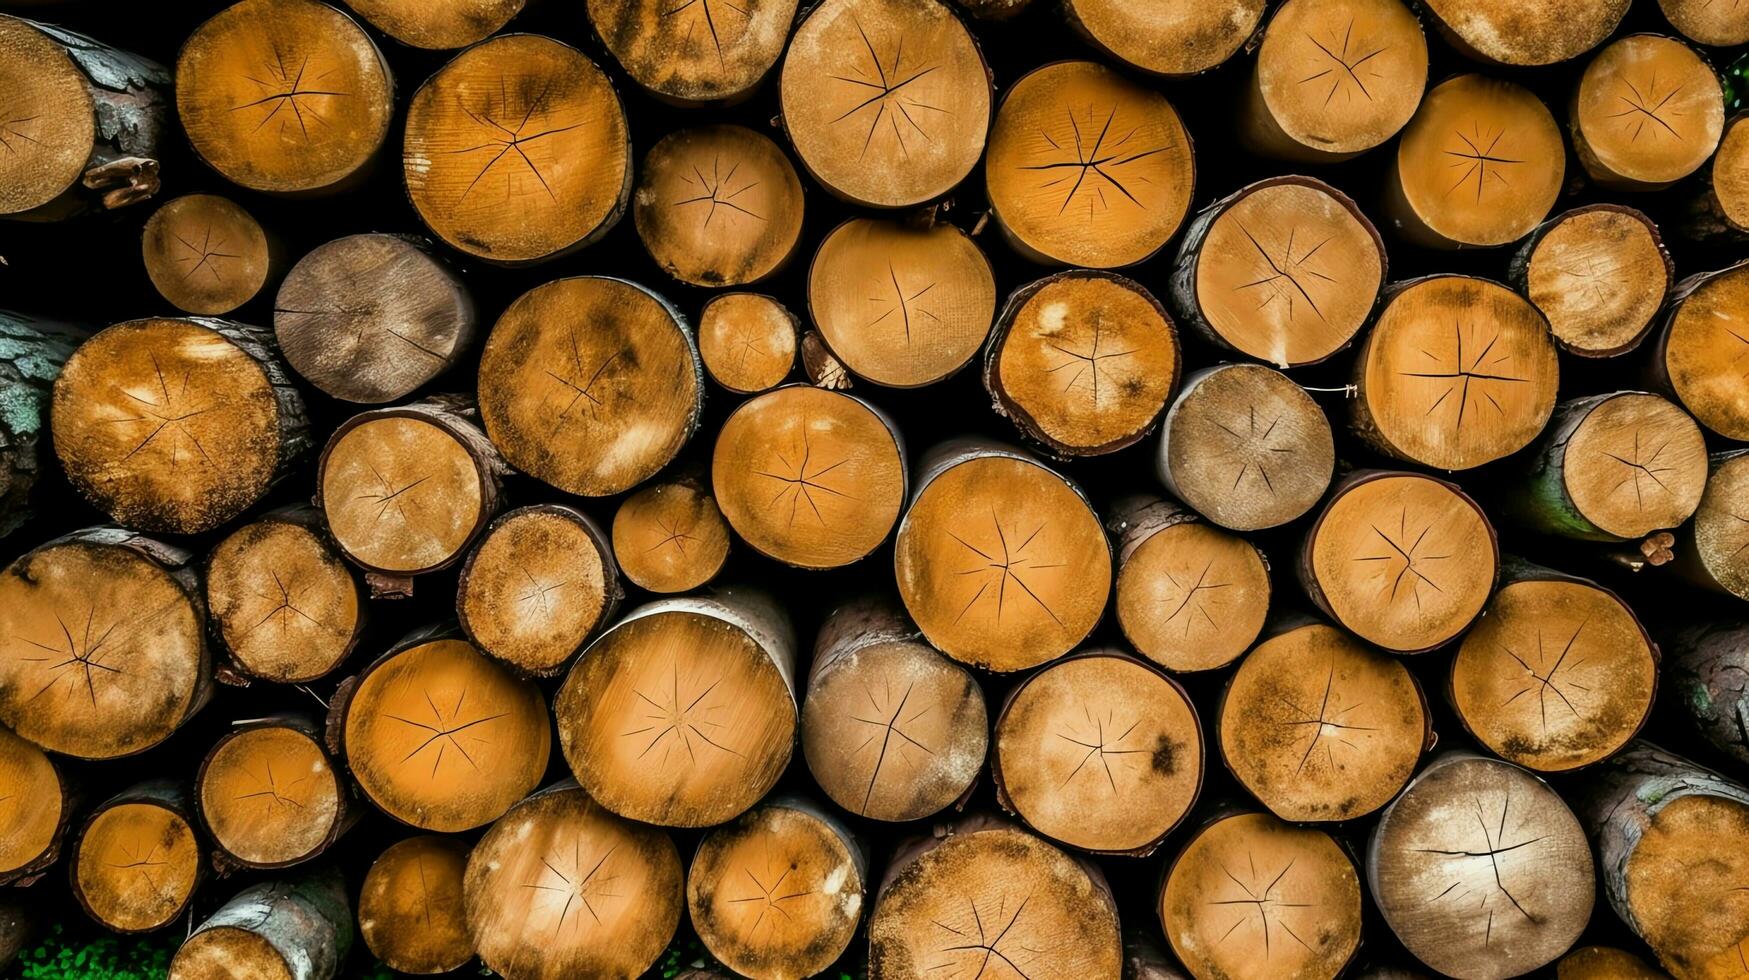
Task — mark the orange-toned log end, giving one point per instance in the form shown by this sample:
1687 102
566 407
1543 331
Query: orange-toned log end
539 584
1526 32
1675 113
1189 596
748 341
410 907
1698 349
205 254
696 54
283 602
1599 274
287 929
718 205
138 862
45 91
36 815
1707 22
270 795
437 23
1604 963
671 537
1717 550
1167 39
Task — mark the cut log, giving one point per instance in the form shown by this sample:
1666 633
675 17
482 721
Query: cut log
990 893
284 97
1256 417
810 477
1408 581
137 862
822 369
433 698
1701 344
1441 345
85 123
291 929
1648 112
205 254
1709 671
694 55
1508 151
1604 963
270 796
1599 273
542 905
1250 896
777 894
1321 728
927 712
986 520
670 537
537 586
1526 32
748 341
1171 40
1333 79
142 668
1101 751
1287 270
1715 551
1668 831
410 908
518 177
1718 208
901 329
650 748
718 205
1706 22
1189 596
437 24
37 810
32 353
1044 362
1087 168
177 425
596 411
1557 674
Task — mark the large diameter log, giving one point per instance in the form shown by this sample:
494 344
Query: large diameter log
1599 273
891 729
32 354
284 604
748 341
671 536
1700 346
1101 751
1000 560
37 810
1648 112
560 887
410 908
270 796
698 54
718 205
437 23
289 929
177 425
137 861
1604 963
205 254
1526 32
683 714
1715 549
1718 208
1476 848
1166 39
101 686
1706 22
1709 669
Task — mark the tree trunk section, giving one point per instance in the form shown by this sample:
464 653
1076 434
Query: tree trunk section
1718 203
38 812
1524 32
1604 963
138 862
747 341
1681 114
718 205
670 536
422 24
1697 349
206 255
1715 547
1709 669
32 353
1174 41
410 908
1599 273
296 929
694 56
270 795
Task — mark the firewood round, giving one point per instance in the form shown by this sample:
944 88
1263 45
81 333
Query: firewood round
269 794
539 583
1718 552
42 82
1724 199
1189 596
1648 113
34 819
748 341
718 205
694 53
1167 39
1512 32
146 827
410 906
205 254
1600 274
1699 346
1707 22
437 23
287 929
670 536
282 601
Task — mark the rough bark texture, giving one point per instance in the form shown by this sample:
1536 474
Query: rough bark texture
31 354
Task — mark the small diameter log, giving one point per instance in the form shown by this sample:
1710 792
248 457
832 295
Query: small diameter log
991 893
1286 270
879 122
777 894
748 341
1189 595
873 675
1709 669
177 425
290 929
137 861
1334 78
1321 728
1250 896
205 254
692 751
37 812
1087 168
1715 550
32 353
560 888
101 687
1599 273
1101 751
987 522
1718 207
270 796
537 586
1058 338
1605 963
591 384
284 97
283 602
1510 162
1516 32
436 24
1557 674
519 174
670 537
1674 113
86 123
718 205
1706 22
1166 39
1402 560
1700 344
410 908
900 305
810 477
692 56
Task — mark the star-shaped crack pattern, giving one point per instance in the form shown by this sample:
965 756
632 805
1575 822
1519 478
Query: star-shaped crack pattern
1329 726
1466 370
285 97
893 98
1261 905
510 134
450 729
1004 564
168 414
1101 739
987 944
1545 679
889 719
1096 158
676 718
580 888
79 659
1495 850
1347 64
1404 560
801 480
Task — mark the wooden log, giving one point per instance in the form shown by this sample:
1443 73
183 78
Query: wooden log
206 255
1250 896
1713 552
933 728
1189 596
670 536
136 863
1510 149
437 24
177 425
270 796
1101 751
1087 168
1320 728
142 667
876 129
747 341
1043 364
1599 273
1718 204
434 698
522 174
718 205
810 477
289 929
1042 542
697 55
38 810
1557 674
1604 963
1286 270
777 895
1706 23
85 123
284 97
650 748
1174 41
1708 670
410 908
543 906
1451 350
822 368
32 353
597 411
1512 32
901 305
1699 345
1670 96
1333 79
